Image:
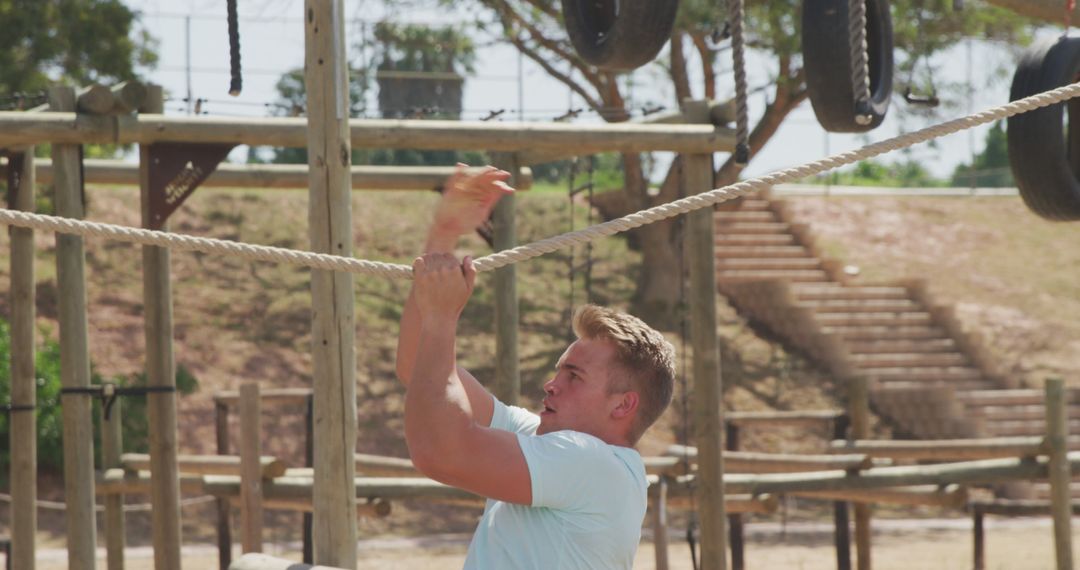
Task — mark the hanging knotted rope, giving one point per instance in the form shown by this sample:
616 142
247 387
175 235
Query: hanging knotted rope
536 249
738 54
236 82
860 62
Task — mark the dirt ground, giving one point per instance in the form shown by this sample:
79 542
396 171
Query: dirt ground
938 544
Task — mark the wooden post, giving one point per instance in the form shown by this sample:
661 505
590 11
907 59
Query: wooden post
112 447
251 507
332 331
1057 433
507 375
708 397
738 560
840 508
309 461
160 371
74 352
224 509
23 442
859 402
660 523
979 537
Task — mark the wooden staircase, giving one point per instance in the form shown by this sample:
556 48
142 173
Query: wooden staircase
928 376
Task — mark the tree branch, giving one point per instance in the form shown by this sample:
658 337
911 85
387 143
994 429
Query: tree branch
708 57
678 68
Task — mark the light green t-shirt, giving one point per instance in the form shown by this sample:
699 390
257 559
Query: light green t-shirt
589 501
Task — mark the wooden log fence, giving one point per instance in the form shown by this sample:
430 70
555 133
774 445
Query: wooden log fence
269 466
944 449
275 176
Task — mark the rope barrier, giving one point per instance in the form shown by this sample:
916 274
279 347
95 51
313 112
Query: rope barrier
742 113
528 251
860 61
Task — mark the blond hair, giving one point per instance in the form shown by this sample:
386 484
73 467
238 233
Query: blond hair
645 360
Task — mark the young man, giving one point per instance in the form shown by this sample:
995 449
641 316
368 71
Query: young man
566 489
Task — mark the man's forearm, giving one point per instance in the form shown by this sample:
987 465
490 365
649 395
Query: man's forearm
408 334
437 409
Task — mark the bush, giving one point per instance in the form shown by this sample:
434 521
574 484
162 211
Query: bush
50 415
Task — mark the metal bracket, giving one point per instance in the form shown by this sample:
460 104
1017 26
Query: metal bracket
176 170
14 176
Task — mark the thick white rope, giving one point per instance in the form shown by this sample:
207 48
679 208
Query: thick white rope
860 60
138 508
528 251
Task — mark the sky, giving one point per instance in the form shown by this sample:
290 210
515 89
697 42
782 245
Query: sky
272 43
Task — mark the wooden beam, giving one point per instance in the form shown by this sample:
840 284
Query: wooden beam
708 410
1016 507
507 373
160 372
660 525
74 352
943 449
758 462
251 507
859 409
259 561
269 466
277 176
332 294
375 509
118 481
23 424
272 396
224 509
95 98
962 473
21 129
1057 434
112 447
951 496
783 418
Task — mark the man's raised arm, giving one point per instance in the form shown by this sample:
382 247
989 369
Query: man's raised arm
466 202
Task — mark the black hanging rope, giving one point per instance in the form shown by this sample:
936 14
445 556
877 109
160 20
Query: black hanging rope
109 392
234 50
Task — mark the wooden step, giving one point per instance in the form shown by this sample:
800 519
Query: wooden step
1007 413
742 275
761 251
886 360
838 292
849 333
753 228
1014 397
1019 428
725 240
862 305
875 319
902 346
921 374
753 205
958 385
743 216
768 263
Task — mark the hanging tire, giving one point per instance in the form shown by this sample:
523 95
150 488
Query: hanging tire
619 35
827 60
1043 153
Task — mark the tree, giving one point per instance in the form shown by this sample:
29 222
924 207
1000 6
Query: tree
771 30
70 41
292 102
991 166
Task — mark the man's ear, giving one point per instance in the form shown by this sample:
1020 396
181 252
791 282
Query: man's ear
627 405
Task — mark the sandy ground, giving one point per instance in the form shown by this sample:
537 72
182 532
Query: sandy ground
940 544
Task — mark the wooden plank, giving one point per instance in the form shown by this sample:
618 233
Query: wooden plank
118 481
375 509
783 418
95 99
74 352
23 429
758 462
112 447
332 294
20 128
1057 433
952 496
269 466
274 396
944 449
278 176
507 373
660 525
251 508
160 371
1015 507
258 561
707 396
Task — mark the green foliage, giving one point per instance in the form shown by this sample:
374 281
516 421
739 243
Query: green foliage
991 166
74 41
50 446
906 173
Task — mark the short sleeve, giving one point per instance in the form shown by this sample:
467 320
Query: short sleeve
513 419
563 465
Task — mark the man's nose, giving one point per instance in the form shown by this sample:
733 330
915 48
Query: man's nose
549 387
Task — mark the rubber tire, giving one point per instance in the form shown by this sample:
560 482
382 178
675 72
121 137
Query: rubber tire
827 60
619 35
1045 160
